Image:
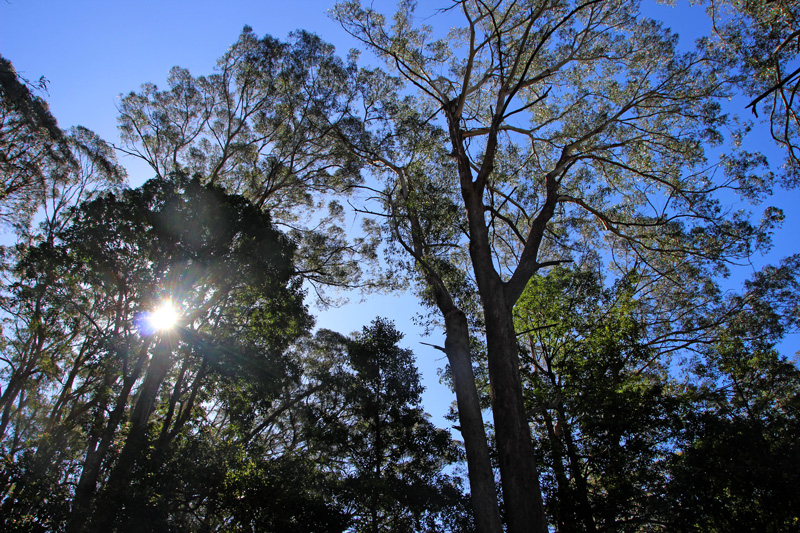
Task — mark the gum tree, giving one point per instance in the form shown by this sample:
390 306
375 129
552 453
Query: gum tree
261 126
544 130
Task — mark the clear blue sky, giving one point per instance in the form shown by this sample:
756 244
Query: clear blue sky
91 51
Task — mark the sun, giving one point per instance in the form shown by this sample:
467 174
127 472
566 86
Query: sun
164 316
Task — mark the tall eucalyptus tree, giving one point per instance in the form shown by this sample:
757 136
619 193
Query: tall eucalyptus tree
542 130
262 125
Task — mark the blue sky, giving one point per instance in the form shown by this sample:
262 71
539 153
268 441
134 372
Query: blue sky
91 51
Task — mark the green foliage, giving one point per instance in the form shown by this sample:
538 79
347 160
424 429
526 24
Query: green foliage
42 166
738 469
392 457
83 345
739 459
628 447
227 422
30 141
605 409
542 133
263 125
285 494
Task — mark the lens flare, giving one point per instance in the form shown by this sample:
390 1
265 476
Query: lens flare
164 317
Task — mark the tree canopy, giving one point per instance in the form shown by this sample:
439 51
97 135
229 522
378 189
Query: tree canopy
563 185
545 132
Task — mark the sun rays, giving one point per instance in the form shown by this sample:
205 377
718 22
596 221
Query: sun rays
164 317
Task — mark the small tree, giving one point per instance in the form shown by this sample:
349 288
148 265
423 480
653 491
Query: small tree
392 456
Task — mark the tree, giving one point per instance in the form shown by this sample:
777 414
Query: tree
31 144
40 164
287 493
626 443
260 126
738 460
396 455
566 126
424 223
46 172
215 256
760 42
738 464
606 410
345 446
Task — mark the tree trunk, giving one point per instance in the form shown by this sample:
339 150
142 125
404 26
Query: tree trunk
564 507
481 476
577 473
99 446
136 441
522 494
518 471
479 465
145 405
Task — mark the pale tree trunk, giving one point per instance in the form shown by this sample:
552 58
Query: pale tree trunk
479 466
